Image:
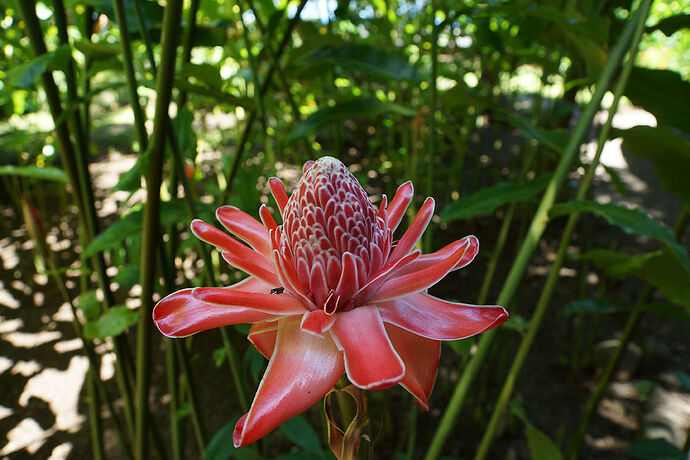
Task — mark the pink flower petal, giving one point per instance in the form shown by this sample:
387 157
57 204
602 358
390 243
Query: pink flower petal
420 356
266 218
427 260
375 282
399 204
263 336
307 165
235 253
414 232
348 284
180 315
371 361
437 319
317 322
278 191
278 304
303 368
400 286
245 227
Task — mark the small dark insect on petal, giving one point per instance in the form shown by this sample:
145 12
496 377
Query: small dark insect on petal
278 290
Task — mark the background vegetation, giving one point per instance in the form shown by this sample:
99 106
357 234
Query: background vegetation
121 121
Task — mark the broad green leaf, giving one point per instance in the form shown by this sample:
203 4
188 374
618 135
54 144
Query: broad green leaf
98 51
633 221
669 152
205 73
660 268
221 447
356 108
517 323
219 355
89 305
214 93
364 59
34 172
171 212
489 199
129 275
301 433
592 306
541 447
618 183
672 24
663 93
654 449
111 323
556 139
27 74
462 347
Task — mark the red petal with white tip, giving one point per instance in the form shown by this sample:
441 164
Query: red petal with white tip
278 304
427 260
181 314
437 319
420 356
236 253
245 227
371 361
414 232
263 337
400 286
266 218
399 204
278 192
317 322
303 368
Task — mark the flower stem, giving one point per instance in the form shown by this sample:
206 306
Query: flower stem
552 279
534 233
432 115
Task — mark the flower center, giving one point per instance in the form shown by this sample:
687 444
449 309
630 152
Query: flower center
334 234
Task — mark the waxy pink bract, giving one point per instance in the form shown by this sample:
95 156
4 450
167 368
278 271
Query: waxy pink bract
352 299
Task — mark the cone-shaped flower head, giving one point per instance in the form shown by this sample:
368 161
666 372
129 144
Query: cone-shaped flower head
330 292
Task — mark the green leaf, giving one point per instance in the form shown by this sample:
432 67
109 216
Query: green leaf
219 355
653 449
541 447
663 93
633 221
356 108
517 323
98 51
462 347
89 305
598 306
128 275
556 139
171 212
672 24
111 323
221 447
26 75
660 268
618 183
669 152
34 172
489 199
206 73
301 433
364 59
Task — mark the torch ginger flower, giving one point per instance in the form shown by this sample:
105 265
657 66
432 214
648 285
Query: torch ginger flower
330 292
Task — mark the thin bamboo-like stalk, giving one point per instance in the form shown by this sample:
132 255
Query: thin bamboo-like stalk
629 329
428 234
552 279
80 183
150 233
534 234
264 87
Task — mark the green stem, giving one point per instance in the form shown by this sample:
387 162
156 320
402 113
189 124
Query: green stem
552 279
173 391
611 366
197 424
534 234
264 87
428 234
150 233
